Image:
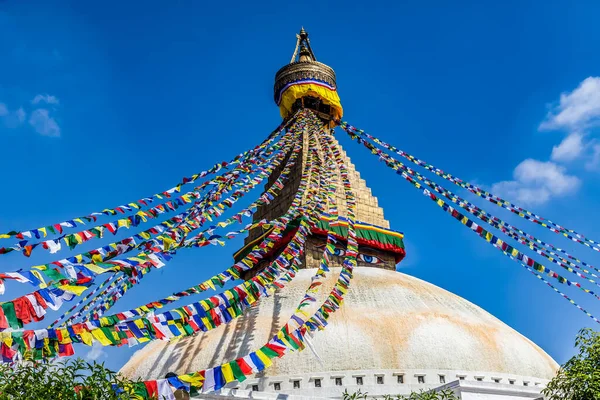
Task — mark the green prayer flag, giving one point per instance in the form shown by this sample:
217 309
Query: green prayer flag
71 241
109 335
54 275
269 353
187 328
11 316
237 371
290 340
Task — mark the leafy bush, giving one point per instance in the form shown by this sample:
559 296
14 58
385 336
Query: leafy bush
579 378
72 380
442 395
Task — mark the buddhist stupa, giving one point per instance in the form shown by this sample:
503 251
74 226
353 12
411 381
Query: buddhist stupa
393 335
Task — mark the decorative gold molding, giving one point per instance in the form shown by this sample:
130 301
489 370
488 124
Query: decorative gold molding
303 70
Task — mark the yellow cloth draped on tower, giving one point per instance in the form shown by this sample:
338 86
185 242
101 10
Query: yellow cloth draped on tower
301 89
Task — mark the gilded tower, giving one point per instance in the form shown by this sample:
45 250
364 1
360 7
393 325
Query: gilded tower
306 83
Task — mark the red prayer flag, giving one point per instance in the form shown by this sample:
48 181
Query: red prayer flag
246 369
152 389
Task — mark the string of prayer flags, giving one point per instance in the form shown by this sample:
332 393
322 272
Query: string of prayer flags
141 272
92 217
175 226
333 302
218 280
215 378
496 222
504 247
75 239
183 321
92 296
521 212
130 282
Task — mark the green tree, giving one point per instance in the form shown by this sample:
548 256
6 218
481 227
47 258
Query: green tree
72 380
430 395
441 395
579 378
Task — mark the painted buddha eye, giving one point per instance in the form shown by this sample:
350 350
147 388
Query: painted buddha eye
339 252
369 259
336 250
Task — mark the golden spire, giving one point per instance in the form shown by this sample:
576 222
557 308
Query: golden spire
303 43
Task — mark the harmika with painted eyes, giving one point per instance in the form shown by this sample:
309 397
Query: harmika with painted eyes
366 258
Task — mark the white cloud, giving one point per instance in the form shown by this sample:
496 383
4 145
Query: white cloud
594 162
569 149
43 123
536 182
11 119
96 352
578 109
45 98
20 114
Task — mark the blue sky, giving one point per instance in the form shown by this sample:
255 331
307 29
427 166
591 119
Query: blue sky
103 104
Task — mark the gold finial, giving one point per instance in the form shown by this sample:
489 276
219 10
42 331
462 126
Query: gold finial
303 44
305 55
303 34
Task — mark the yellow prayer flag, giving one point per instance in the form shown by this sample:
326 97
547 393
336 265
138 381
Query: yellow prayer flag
47 344
205 305
38 275
196 380
205 322
263 357
167 242
101 337
43 230
4 236
227 373
142 215
210 284
66 338
6 338
98 270
139 323
73 289
86 337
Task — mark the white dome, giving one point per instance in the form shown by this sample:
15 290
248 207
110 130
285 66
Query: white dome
389 322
